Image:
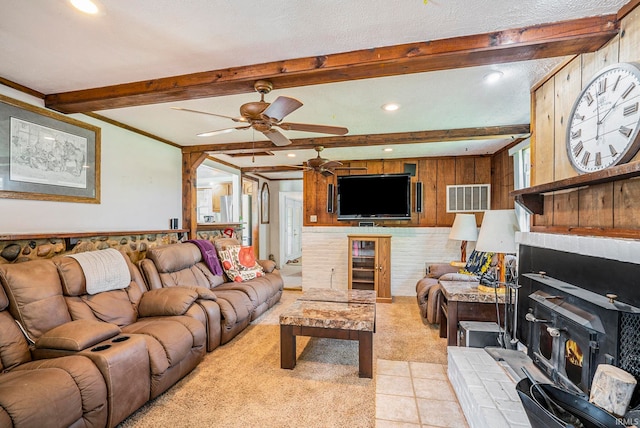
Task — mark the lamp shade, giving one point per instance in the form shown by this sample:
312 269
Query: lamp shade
464 228
498 232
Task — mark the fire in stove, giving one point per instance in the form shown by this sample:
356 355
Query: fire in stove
573 360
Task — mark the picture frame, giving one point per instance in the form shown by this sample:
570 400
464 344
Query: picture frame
264 204
46 155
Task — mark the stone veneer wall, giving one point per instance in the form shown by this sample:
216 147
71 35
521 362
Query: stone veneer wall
135 245
326 248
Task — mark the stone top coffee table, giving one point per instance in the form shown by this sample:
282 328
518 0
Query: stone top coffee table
329 295
335 314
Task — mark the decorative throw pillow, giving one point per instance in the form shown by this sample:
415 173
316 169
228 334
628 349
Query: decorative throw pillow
239 263
478 263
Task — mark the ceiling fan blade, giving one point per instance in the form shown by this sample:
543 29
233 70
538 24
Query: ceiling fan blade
323 129
222 131
277 137
331 164
235 119
326 172
281 107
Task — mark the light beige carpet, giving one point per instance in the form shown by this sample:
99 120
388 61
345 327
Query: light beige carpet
241 384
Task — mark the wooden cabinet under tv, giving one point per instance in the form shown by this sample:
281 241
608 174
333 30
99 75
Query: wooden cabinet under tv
370 264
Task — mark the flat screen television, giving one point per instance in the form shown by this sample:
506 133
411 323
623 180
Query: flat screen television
374 196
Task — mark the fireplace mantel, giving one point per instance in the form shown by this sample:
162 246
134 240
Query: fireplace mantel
532 199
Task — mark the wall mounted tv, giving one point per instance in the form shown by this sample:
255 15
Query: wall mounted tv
374 196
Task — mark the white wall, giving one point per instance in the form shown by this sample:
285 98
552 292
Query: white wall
141 188
324 248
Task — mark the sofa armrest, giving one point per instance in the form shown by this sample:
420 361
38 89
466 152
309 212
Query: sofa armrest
166 301
267 265
203 292
77 335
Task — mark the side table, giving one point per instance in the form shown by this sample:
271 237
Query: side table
462 301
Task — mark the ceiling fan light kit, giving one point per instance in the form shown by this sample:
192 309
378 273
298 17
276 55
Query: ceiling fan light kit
325 166
263 117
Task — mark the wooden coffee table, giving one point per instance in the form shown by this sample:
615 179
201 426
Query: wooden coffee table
334 314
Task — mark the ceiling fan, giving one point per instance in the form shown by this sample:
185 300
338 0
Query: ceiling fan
264 117
326 167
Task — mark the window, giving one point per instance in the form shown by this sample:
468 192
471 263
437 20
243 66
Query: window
522 177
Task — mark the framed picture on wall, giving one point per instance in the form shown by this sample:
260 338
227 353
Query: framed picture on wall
47 156
264 204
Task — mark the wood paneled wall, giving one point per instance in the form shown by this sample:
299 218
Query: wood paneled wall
609 209
502 180
434 173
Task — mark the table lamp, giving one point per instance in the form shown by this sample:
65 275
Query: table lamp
498 235
464 228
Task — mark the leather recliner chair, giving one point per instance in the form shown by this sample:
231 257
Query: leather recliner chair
59 392
429 292
180 265
49 300
176 342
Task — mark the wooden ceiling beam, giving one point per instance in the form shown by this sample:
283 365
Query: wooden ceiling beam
267 169
521 44
435 136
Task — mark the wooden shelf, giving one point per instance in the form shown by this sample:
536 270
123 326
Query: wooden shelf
532 199
216 226
17 237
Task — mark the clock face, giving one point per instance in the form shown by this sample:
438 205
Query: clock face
603 127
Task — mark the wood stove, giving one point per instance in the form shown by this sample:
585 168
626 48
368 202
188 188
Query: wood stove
572 330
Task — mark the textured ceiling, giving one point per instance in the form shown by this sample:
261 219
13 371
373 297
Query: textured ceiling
49 47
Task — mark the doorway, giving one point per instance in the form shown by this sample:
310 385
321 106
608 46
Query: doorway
292 228
291 239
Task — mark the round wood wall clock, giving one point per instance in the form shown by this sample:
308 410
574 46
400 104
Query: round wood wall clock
602 130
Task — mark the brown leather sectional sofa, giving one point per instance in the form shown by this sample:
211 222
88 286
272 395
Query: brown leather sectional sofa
70 358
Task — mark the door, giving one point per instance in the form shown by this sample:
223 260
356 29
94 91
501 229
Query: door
363 267
383 263
293 228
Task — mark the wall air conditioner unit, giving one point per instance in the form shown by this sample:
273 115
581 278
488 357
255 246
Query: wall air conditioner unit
468 198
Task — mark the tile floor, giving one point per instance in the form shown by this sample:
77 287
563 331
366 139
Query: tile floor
415 395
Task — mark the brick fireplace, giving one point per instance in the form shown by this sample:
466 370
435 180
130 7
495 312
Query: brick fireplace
571 321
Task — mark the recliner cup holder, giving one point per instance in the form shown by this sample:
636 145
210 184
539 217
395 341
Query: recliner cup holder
120 339
100 348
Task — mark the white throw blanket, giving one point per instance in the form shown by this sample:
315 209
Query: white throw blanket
104 270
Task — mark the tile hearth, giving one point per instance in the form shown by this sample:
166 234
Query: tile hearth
486 392
415 395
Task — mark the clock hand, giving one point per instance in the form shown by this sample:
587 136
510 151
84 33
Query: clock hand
610 109
598 117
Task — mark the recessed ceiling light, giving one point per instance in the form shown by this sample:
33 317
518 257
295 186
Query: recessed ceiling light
390 107
291 155
86 6
493 76
388 149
